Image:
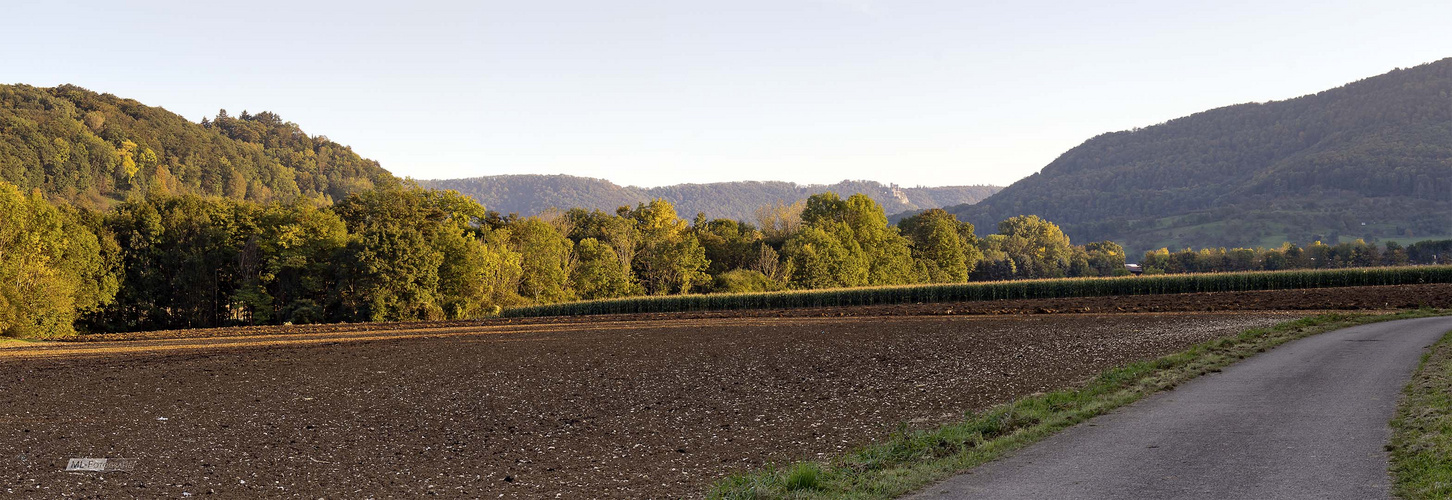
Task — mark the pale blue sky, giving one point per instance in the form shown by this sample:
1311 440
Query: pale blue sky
651 93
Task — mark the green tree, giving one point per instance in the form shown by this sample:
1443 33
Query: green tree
997 264
888 254
394 275
942 245
545 261
729 244
779 221
1079 263
297 246
51 267
824 208
1105 258
825 256
181 261
1156 259
674 266
413 254
598 272
1274 260
1395 254
1316 255
1039 249
503 269
615 230
865 243
669 259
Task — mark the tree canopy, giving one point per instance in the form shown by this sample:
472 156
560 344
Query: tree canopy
52 268
93 150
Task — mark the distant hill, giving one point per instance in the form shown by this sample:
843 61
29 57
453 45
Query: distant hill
96 149
532 194
93 149
1371 159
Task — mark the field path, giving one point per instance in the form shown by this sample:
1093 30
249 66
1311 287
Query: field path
1305 420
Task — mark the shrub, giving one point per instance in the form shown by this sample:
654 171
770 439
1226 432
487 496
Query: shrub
745 280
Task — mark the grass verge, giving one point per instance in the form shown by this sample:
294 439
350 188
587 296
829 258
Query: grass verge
1421 444
908 460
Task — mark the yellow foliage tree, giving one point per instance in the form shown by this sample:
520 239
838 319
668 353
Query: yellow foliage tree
127 154
50 267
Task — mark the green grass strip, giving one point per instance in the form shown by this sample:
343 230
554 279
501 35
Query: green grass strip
999 290
14 342
909 460
1421 444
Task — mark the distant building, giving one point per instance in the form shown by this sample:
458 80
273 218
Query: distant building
1134 269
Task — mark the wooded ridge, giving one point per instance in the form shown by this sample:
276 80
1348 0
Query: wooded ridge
1370 159
94 150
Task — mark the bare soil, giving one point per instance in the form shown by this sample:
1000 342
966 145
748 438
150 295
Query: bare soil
1316 299
579 409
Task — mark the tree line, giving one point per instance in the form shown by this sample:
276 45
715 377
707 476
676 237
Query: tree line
1316 255
404 253
401 252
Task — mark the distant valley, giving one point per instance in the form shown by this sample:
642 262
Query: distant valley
533 194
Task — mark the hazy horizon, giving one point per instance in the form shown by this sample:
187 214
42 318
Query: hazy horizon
657 93
713 182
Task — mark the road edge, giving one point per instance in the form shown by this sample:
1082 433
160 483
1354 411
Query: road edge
908 461
1421 443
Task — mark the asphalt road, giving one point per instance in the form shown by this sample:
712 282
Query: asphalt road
1305 420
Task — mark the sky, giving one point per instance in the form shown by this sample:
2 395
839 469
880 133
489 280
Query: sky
652 93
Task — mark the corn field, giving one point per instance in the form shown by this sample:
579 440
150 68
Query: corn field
999 290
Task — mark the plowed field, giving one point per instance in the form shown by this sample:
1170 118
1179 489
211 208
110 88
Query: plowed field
582 409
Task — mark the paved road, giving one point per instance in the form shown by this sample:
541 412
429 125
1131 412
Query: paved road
1305 420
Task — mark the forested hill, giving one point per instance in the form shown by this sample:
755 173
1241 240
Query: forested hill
532 194
1371 159
94 149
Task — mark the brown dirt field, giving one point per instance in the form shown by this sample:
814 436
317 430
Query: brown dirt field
1348 298
620 409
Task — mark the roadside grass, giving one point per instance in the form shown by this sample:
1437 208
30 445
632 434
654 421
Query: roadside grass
908 460
1421 444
